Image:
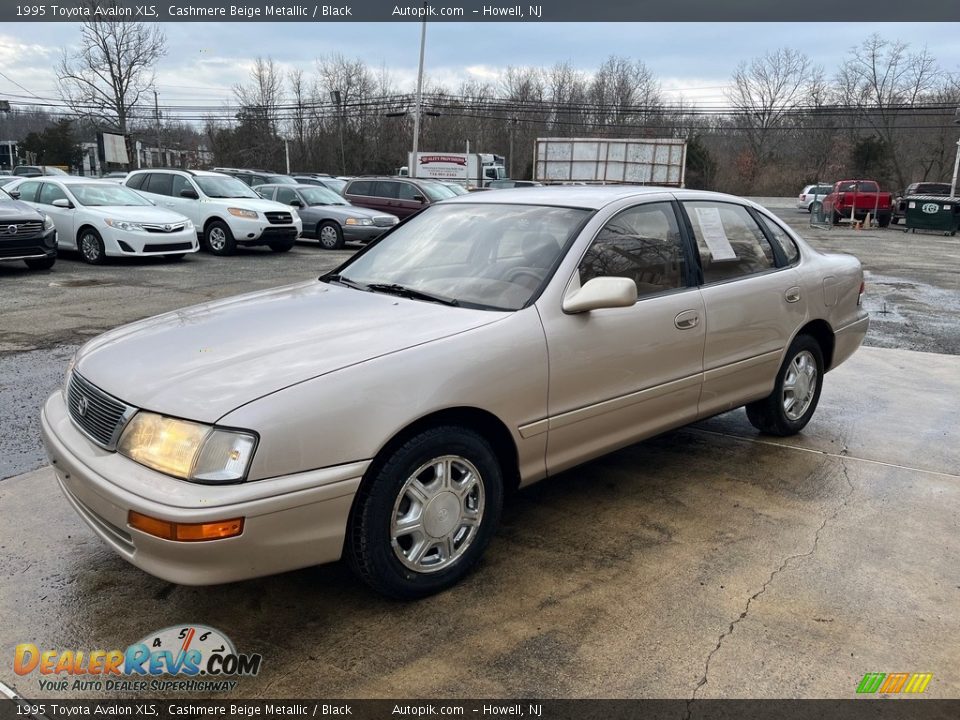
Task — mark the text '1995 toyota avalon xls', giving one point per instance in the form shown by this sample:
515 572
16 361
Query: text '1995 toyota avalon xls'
380 412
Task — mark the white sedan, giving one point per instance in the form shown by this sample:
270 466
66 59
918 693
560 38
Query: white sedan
99 218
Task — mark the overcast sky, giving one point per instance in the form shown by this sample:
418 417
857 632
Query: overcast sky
205 59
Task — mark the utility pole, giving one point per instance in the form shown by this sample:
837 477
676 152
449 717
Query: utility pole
956 162
337 99
156 112
286 151
418 107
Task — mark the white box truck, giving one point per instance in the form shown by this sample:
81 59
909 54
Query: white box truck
467 169
594 161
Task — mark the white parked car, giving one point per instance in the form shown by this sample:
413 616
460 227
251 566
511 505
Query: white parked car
226 212
99 218
813 194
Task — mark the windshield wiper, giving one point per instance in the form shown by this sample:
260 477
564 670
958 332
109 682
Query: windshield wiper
413 294
343 280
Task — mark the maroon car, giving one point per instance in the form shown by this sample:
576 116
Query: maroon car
400 196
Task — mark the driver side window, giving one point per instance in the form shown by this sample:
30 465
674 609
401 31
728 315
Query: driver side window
641 243
286 195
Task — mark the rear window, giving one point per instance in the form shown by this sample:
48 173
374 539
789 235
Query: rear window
864 186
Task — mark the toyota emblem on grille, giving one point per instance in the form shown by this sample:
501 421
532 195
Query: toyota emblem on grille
12 229
82 407
167 228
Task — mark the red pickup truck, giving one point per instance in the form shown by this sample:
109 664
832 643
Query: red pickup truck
862 197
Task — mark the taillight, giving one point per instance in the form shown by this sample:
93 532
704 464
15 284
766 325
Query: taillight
863 288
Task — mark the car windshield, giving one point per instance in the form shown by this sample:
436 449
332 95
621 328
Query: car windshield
316 195
4 195
436 191
107 195
335 185
488 256
215 186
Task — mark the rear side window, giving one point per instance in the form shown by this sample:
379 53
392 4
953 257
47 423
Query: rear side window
387 189
361 187
159 183
730 242
28 191
780 237
136 182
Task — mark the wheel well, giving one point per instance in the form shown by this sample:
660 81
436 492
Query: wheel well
211 219
81 229
485 423
820 331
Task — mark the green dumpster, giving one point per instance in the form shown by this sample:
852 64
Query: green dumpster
932 212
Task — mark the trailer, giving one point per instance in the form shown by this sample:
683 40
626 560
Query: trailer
603 161
467 169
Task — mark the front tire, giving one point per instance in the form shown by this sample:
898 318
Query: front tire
90 245
219 238
883 220
424 516
796 393
330 235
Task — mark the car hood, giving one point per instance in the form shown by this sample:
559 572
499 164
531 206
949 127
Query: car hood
136 213
204 361
254 204
18 210
342 211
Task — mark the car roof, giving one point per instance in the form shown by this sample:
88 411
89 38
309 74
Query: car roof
74 180
585 196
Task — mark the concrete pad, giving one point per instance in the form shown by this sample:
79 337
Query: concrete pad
708 562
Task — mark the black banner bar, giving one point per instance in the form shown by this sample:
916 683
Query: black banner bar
939 11
853 709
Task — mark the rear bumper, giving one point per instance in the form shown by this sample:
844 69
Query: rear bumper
289 522
848 338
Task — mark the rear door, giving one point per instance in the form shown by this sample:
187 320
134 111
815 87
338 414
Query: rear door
752 299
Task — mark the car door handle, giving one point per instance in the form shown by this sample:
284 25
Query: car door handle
792 295
686 320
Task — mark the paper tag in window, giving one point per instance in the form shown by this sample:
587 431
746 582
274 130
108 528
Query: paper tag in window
711 226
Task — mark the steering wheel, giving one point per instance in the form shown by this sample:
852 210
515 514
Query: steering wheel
536 274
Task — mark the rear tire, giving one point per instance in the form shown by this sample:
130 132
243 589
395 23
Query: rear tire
424 516
219 239
796 392
41 263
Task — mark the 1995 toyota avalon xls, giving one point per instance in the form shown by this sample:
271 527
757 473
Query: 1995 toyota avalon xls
380 412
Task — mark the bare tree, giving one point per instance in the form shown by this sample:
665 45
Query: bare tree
105 78
884 80
765 90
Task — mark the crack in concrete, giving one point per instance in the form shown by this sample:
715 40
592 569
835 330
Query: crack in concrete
783 566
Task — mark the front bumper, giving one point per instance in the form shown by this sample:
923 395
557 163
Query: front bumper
290 522
30 248
125 242
363 233
261 232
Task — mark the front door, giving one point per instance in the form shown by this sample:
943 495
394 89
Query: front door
63 218
618 375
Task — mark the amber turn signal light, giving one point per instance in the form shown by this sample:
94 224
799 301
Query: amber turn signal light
185 532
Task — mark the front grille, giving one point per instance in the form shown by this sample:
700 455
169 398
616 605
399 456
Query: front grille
168 228
169 247
279 234
101 417
384 221
23 229
279 218
23 248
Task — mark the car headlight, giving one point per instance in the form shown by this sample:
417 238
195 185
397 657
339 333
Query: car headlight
358 221
188 225
243 213
187 450
47 222
127 225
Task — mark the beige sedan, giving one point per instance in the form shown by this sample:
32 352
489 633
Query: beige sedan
381 412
